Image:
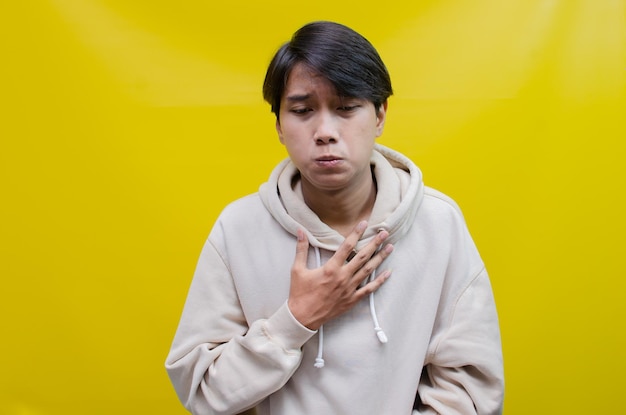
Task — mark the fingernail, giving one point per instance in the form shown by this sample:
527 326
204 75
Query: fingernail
362 225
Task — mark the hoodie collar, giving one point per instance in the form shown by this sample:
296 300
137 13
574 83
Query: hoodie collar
400 192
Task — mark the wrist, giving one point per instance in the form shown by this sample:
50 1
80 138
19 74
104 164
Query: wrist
301 316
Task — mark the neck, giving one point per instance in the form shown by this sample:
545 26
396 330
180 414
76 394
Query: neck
342 210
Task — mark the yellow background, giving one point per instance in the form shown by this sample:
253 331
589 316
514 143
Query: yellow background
126 126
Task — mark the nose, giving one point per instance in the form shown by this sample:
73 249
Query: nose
326 131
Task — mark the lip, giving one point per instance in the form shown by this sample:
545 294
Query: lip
328 157
328 161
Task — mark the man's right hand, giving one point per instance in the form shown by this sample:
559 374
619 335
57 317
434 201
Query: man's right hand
320 294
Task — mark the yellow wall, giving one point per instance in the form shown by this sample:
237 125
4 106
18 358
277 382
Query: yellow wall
127 125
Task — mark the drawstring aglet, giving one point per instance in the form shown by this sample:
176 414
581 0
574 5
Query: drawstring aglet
382 337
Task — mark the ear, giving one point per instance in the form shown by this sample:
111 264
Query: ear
279 130
381 116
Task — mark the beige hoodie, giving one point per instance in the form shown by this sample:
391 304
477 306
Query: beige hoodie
428 336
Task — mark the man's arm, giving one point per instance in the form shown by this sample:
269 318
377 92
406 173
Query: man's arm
220 365
464 371
217 363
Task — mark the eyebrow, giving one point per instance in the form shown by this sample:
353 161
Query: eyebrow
298 98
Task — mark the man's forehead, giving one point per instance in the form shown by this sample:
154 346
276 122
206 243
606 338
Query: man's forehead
304 83
301 68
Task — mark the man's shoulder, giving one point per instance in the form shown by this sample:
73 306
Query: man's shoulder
244 207
440 202
240 216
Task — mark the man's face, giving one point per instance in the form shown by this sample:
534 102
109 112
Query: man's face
328 137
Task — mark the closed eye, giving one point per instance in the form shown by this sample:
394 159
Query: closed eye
300 111
347 109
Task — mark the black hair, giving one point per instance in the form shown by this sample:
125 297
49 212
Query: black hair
339 54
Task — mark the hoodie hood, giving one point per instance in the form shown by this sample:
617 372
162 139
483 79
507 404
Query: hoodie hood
400 191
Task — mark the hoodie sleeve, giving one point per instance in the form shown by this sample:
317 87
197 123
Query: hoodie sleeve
217 363
464 371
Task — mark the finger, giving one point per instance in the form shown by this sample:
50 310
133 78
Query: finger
367 252
372 264
302 250
346 249
363 268
373 285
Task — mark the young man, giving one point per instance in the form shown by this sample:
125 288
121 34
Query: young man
293 289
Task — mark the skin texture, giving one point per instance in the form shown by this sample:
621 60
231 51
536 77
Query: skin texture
330 139
318 295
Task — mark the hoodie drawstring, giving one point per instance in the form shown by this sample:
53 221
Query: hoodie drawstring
382 337
319 360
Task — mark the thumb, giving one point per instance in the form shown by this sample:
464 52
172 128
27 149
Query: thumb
302 250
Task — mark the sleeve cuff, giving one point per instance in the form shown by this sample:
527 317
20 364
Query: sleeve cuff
283 328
